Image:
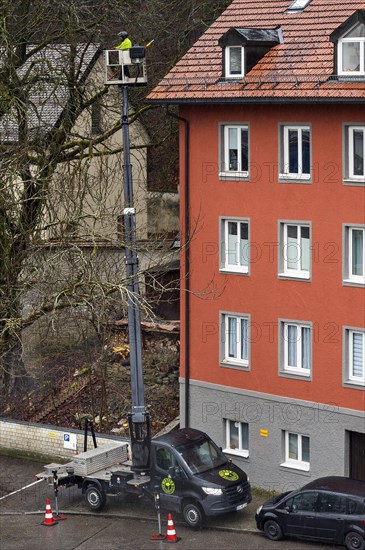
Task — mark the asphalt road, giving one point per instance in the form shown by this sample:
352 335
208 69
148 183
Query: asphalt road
95 533
123 524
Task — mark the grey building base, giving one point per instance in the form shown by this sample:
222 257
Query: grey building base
327 425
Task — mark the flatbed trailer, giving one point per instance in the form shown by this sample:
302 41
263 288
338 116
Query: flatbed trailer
187 471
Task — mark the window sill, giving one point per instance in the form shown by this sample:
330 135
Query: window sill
302 466
299 374
295 177
351 74
233 271
353 282
230 365
237 452
233 77
354 181
233 176
355 384
297 276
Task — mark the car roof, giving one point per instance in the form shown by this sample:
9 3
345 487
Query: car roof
338 484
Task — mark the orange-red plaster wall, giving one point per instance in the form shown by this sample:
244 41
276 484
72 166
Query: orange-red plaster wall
326 203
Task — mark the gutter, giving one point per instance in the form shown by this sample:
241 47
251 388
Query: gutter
240 100
186 262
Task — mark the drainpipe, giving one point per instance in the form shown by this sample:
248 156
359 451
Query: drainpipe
187 263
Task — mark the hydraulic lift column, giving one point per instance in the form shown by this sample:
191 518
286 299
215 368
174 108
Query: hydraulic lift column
138 418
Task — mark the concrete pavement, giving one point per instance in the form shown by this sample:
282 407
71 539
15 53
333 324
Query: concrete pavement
93 533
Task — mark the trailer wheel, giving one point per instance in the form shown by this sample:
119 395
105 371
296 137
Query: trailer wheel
95 497
193 515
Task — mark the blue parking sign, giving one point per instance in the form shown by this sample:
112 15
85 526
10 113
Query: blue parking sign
70 441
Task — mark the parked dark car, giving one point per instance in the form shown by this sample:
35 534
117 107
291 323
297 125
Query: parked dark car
329 509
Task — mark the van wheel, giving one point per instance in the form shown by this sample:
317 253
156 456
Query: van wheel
95 498
193 515
273 530
354 541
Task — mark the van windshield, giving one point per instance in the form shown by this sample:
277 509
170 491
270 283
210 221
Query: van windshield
202 456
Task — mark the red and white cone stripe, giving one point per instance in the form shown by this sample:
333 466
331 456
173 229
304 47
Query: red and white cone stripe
48 516
171 533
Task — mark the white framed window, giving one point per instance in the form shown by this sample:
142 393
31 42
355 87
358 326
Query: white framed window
354 254
235 340
354 342
298 5
234 150
351 52
234 241
296 348
297 451
236 438
234 62
354 153
295 250
295 152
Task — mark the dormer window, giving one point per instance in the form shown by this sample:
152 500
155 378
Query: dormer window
349 41
243 49
234 62
351 52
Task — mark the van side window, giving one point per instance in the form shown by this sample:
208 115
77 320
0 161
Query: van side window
330 503
164 458
304 502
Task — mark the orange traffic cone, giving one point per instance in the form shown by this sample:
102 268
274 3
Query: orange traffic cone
48 518
171 533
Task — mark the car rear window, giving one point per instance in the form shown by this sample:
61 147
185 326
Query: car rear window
355 507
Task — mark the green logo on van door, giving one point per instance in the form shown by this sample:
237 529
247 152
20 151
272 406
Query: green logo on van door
168 486
229 475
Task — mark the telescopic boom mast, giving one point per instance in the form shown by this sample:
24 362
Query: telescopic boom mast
123 63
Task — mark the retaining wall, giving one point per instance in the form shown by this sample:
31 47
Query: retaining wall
41 441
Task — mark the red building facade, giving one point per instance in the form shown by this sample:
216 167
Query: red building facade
273 211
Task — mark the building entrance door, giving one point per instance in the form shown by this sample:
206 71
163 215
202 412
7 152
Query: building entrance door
357 455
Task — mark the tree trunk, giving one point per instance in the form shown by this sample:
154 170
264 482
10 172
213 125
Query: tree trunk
14 377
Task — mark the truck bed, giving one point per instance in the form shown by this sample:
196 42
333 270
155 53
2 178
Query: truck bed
97 463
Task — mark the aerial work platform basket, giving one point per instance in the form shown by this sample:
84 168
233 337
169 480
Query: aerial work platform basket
126 67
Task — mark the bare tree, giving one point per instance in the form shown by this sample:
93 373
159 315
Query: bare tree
47 53
58 173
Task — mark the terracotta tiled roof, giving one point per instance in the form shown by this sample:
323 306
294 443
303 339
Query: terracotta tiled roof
302 68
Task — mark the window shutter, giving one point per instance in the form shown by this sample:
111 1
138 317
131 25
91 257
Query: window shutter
358 355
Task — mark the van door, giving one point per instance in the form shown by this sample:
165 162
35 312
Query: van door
167 478
301 521
331 517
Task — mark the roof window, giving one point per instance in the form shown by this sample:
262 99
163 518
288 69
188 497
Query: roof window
298 5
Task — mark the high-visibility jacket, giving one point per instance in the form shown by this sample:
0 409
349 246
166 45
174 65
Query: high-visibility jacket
125 45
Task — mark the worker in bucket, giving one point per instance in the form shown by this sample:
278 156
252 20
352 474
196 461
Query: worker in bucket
125 44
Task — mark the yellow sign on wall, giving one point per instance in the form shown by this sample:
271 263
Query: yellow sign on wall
264 433
52 435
